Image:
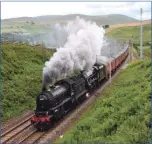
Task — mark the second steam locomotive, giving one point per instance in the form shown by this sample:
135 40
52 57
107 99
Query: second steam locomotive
54 103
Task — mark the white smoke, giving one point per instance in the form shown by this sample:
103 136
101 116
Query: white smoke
83 44
111 47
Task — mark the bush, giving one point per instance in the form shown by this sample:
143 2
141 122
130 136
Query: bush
21 77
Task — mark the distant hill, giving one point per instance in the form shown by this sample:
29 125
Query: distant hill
36 29
50 19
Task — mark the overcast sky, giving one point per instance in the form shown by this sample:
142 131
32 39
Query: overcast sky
31 9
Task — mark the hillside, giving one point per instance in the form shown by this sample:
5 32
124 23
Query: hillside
100 20
133 33
48 19
21 77
42 22
121 114
112 27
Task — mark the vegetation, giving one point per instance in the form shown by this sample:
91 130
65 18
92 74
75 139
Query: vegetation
121 114
21 77
132 33
106 26
146 51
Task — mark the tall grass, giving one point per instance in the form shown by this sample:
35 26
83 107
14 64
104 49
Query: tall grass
21 77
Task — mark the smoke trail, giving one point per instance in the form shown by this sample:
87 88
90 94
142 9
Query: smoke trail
83 44
111 47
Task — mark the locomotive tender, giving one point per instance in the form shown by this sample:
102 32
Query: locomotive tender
54 103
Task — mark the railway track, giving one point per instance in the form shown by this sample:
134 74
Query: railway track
22 131
9 131
9 124
33 137
27 136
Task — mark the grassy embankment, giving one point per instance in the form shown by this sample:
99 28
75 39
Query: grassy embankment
122 113
21 77
133 33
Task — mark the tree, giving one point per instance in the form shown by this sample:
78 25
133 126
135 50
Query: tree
106 26
32 23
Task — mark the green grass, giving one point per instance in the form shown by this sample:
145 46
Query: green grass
121 114
21 77
146 51
129 32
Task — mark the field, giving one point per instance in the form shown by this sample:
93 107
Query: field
21 77
121 114
112 27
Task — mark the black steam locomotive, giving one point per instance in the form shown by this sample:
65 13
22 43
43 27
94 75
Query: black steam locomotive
54 103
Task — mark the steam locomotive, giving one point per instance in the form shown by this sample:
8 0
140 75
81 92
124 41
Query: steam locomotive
52 104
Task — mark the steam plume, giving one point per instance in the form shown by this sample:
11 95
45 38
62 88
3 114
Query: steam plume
79 52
